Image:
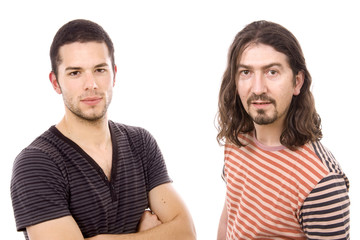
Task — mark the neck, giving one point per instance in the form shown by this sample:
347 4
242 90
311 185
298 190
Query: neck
269 134
84 132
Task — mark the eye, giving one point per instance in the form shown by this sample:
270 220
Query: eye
272 73
100 70
244 72
74 73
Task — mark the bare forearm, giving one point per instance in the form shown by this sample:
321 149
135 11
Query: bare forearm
180 228
222 225
175 220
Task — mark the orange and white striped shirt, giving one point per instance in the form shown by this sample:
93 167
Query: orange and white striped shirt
276 193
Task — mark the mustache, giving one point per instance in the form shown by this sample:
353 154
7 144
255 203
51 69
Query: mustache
262 97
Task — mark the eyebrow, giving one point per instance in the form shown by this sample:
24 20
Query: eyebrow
101 65
263 67
72 68
79 68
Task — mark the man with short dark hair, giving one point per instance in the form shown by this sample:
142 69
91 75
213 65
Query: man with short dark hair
282 183
89 177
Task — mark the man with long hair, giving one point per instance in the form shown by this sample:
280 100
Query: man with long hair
281 182
89 177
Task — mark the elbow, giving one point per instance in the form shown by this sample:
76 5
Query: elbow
188 232
191 234
185 228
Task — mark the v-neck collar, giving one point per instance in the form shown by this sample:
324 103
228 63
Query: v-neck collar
90 160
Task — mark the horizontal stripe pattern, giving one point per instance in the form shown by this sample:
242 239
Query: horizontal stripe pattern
325 213
266 189
54 177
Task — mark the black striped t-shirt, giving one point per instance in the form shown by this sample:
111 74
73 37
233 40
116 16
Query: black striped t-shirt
53 177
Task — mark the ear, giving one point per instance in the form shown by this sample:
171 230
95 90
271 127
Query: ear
115 71
299 81
54 82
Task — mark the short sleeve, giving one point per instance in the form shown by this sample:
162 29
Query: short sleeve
325 213
38 189
156 170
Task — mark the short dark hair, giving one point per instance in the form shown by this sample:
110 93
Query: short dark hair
302 123
79 30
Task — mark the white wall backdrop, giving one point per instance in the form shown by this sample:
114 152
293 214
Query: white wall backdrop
171 56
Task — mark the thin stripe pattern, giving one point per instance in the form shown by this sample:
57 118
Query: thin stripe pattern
270 192
54 177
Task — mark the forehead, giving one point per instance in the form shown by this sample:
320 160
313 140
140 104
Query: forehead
257 54
78 53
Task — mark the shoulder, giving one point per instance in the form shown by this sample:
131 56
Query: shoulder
131 133
326 157
39 148
39 183
246 139
43 154
329 161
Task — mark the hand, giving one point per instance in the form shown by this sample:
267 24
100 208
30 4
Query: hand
148 220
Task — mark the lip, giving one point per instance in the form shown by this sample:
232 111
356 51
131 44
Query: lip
91 101
261 104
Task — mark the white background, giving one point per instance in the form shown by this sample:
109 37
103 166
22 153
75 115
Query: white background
171 56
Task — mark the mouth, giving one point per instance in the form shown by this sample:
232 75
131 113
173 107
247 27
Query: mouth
261 104
260 101
91 101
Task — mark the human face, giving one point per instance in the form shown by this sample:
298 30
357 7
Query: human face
85 79
266 83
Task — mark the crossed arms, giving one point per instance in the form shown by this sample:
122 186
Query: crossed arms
176 222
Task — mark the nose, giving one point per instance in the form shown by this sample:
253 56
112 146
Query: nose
259 84
90 82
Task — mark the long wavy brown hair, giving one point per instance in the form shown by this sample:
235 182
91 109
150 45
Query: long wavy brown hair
302 124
